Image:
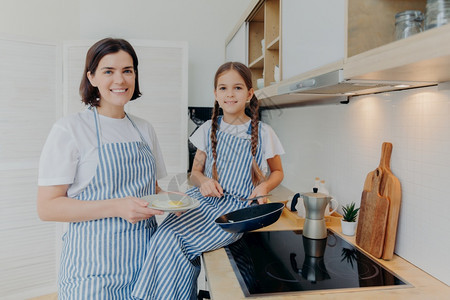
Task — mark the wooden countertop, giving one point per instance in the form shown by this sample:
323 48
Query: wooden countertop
223 284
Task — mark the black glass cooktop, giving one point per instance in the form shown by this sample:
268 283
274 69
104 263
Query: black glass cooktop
276 262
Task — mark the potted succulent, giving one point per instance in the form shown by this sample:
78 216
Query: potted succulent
348 222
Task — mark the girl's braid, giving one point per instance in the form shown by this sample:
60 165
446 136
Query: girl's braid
214 126
257 174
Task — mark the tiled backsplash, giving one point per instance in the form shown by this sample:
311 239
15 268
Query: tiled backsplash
342 143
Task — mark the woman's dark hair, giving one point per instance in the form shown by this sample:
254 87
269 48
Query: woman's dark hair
88 93
246 74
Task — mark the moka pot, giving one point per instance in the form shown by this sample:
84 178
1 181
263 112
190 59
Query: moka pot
315 204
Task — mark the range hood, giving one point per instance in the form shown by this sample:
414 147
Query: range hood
331 87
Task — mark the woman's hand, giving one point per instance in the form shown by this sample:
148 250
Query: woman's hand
54 205
210 188
134 209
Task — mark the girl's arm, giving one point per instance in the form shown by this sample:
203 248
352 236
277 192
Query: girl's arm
208 187
54 205
274 179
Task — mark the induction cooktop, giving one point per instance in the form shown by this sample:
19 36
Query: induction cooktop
275 262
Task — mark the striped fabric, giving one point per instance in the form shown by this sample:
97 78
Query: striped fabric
172 265
102 258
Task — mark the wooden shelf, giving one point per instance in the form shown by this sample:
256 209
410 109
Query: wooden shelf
274 45
264 24
257 63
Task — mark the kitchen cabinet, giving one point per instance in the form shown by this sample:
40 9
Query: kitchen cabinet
264 40
313 34
363 55
260 24
236 49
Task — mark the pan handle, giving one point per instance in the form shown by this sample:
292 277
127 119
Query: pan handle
254 202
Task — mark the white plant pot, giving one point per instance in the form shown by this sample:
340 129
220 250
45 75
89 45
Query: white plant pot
348 228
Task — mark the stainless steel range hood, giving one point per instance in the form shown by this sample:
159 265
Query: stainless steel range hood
330 87
334 83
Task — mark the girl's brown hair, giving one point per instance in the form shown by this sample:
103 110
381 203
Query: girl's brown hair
257 174
90 94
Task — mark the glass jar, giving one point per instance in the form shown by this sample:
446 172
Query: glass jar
407 23
437 13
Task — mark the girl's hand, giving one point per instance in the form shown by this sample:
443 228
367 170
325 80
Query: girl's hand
261 189
134 209
210 188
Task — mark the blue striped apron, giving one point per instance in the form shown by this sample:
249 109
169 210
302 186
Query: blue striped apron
172 265
101 259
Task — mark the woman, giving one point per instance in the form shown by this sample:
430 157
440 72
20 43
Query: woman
94 168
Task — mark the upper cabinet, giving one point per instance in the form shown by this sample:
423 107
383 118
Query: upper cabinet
264 42
313 34
236 49
333 49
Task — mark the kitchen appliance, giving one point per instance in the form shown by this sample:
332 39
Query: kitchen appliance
315 204
251 218
334 83
286 262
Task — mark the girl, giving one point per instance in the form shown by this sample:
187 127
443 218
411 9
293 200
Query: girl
234 151
94 167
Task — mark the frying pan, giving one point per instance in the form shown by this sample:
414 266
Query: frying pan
250 218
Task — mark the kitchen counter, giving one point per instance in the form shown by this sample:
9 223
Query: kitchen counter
223 284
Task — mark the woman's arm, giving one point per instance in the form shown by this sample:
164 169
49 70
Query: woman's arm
207 186
274 179
54 205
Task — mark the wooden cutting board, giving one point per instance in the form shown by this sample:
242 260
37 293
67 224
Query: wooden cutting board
391 189
373 215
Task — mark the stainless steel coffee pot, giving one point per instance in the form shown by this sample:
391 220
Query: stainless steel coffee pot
315 204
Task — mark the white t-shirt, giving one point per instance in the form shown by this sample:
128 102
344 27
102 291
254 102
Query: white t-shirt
70 154
271 144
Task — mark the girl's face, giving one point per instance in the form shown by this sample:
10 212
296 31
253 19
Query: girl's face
115 80
232 94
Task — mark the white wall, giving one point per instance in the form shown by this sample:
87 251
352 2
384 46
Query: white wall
205 24
342 143
42 19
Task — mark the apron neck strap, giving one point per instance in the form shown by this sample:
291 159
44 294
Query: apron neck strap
97 127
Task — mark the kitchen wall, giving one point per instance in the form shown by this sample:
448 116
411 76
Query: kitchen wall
44 19
204 24
342 143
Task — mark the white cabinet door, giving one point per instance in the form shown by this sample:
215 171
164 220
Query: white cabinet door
236 49
313 34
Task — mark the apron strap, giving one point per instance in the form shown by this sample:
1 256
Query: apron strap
137 129
97 127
